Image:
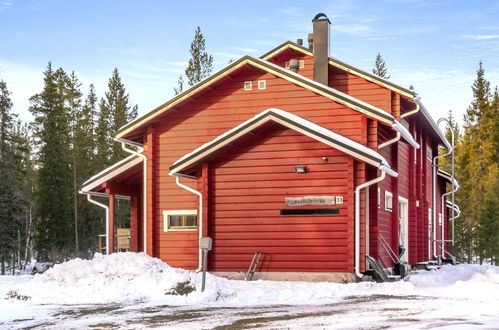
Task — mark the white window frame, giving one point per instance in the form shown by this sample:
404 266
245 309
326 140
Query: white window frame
168 213
248 85
262 84
379 197
301 64
389 195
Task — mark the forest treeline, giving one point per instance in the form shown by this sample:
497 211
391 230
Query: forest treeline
44 163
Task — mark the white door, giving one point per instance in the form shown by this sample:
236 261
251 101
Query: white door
404 227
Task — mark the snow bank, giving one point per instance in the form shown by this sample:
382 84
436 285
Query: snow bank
136 277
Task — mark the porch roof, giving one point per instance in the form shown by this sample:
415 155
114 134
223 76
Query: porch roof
115 171
304 126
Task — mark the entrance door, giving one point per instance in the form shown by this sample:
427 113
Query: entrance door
403 217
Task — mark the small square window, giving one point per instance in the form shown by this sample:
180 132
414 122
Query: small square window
179 220
262 84
286 65
301 64
248 85
388 201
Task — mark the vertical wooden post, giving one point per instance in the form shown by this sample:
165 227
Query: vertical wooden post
110 232
205 177
134 223
150 190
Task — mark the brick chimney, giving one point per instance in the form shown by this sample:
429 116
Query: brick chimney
319 44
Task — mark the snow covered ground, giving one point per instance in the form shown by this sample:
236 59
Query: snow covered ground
129 290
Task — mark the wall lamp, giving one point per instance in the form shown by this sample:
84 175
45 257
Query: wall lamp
300 169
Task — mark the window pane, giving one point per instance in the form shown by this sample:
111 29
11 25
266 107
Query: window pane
191 220
175 220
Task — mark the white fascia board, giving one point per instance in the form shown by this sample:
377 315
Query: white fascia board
448 177
428 117
294 122
111 172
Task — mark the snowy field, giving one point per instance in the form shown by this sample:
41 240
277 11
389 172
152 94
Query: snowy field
128 290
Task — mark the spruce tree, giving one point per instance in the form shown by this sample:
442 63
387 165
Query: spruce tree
53 196
476 168
201 63
380 67
115 112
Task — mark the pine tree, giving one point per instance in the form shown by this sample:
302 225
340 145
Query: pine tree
54 212
15 188
476 167
201 63
114 113
380 67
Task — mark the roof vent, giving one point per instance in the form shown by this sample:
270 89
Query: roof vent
294 65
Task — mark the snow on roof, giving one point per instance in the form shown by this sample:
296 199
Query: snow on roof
110 172
295 122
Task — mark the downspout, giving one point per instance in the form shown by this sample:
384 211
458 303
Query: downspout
434 166
357 219
144 180
105 207
200 216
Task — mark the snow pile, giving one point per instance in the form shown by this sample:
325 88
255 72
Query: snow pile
120 277
136 277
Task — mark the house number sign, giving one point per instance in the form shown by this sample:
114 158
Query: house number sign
313 200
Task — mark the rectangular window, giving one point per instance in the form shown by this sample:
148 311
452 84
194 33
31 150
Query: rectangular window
429 153
301 64
286 65
262 84
178 220
388 201
248 85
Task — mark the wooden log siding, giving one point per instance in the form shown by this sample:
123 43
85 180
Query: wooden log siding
247 196
361 89
222 108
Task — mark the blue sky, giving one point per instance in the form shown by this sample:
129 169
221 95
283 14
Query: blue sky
433 45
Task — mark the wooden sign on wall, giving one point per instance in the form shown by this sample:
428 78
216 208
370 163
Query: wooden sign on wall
313 200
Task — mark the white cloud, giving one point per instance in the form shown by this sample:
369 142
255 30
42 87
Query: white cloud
5 4
481 36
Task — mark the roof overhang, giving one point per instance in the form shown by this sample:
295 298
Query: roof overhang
343 66
291 121
448 177
111 172
434 125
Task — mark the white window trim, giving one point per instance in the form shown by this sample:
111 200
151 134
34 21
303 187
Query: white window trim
262 84
167 213
379 197
388 194
248 85
301 64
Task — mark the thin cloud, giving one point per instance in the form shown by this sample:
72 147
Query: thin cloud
481 36
5 4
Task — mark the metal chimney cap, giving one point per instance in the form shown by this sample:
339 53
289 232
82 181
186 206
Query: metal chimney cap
321 17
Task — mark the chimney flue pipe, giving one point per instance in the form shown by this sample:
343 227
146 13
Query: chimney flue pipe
320 48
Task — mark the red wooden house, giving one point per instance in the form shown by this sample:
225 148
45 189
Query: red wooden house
295 154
